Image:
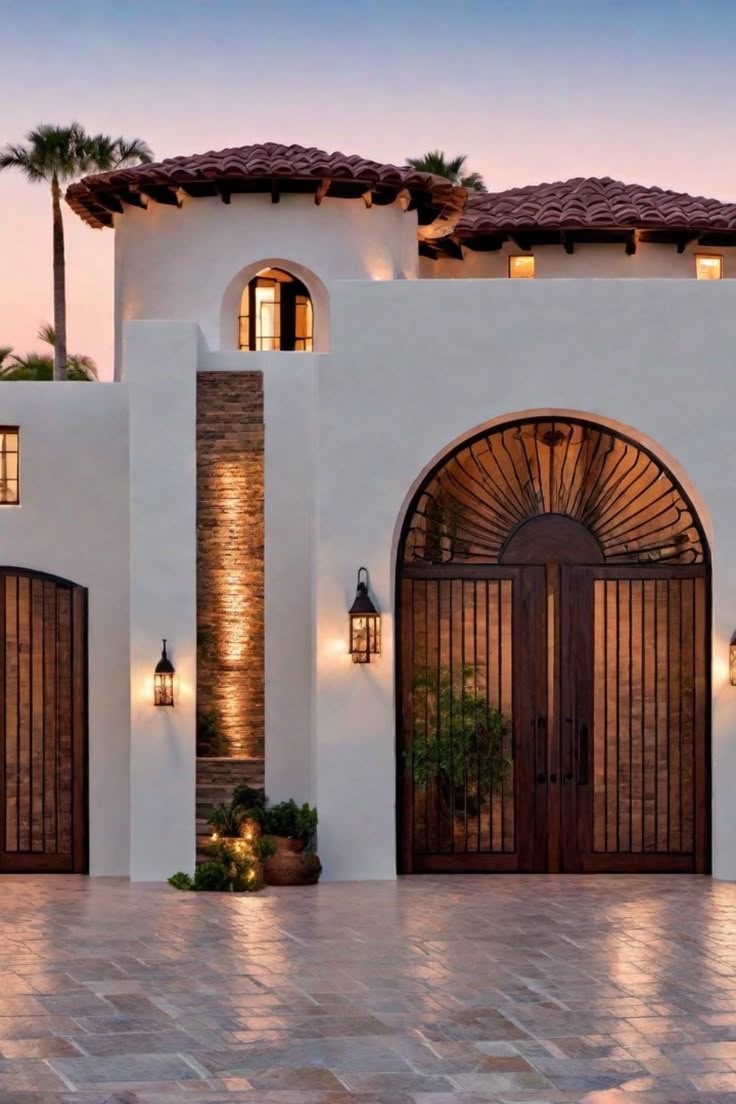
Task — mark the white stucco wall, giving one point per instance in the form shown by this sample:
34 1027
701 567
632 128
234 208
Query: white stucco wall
588 261
73 522
437 359
161 370
175 263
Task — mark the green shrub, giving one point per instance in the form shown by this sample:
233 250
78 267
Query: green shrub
264 849
212 877
180 880
227 820
289 819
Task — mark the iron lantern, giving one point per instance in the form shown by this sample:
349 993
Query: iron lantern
163 680
365 623
732 659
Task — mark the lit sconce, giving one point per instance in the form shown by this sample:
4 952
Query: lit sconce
163 680
365 623
732 659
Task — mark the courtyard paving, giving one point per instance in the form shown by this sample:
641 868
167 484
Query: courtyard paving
609 990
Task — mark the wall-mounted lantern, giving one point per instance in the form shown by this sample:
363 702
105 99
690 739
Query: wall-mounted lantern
163 680
365 623
732 659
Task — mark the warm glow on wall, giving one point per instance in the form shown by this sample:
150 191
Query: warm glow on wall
521 268
708 268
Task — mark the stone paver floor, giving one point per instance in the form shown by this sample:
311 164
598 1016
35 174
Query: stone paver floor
611 990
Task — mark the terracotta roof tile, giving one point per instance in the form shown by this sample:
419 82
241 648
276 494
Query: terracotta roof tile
591 203
95 197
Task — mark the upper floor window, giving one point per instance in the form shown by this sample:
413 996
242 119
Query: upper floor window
9 466
521 268
708 267
276 313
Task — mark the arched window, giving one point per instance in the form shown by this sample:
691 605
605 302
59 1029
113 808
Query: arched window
276 313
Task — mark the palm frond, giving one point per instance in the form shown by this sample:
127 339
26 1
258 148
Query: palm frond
452 168
47 334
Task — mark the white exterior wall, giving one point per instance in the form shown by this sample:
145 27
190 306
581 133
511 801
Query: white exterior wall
436 360
73 522
161 371
589 261
175 263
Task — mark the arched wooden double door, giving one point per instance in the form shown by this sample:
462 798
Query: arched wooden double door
553 659
43 724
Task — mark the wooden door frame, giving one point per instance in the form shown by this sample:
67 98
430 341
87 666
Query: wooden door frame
40 862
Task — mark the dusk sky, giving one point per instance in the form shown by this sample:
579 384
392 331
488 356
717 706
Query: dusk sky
531 90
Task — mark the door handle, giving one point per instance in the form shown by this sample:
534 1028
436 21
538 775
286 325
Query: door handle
582 756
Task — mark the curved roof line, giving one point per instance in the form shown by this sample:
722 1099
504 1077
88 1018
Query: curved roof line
267 167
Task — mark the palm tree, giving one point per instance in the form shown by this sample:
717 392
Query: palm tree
41 366
55 156
436 162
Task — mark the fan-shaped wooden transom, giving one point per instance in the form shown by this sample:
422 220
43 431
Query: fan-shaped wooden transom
473 503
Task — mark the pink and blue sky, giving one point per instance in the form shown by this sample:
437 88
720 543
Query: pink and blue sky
531 90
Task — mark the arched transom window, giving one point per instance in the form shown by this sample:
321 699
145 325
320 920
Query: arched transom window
276 313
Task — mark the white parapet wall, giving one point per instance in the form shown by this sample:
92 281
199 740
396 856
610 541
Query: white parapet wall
72 521
436 359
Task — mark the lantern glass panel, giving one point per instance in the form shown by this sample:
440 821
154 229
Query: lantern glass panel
732 663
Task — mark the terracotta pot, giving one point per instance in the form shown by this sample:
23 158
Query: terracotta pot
288 866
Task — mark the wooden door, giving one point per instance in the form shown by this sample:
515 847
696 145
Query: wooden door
43 724
634 748
472 719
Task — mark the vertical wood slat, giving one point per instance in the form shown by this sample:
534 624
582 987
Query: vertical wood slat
50 719
36 781
79 723
24 713
10 709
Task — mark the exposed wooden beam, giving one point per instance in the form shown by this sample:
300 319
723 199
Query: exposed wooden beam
162 193
275 190
403 198
134 198
684 241
367 197
521 241
631 241
426 250
322 189
568 241
224 191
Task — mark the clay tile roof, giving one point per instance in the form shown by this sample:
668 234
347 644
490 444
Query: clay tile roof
257 168
591 203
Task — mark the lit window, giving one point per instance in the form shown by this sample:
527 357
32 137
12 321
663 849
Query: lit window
708 268
8 466
276 313
521 268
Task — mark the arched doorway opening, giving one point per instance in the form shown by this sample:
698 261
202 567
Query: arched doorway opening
553 651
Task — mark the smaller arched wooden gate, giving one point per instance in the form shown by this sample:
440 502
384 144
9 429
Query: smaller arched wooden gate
553 651
43 723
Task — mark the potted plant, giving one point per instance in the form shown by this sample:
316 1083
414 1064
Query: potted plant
290 828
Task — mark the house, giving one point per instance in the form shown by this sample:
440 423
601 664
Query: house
508 417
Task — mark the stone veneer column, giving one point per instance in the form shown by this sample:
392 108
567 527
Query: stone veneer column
230 662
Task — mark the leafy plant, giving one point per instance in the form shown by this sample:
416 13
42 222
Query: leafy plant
56 155
286 818
227 820
180 880
245 797
437 162
459 738
264 849
212 877
211 741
